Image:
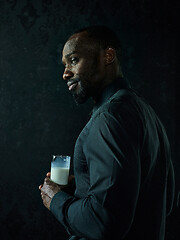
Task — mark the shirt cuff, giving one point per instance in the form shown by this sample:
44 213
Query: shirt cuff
58 207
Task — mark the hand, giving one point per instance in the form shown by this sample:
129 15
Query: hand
48 190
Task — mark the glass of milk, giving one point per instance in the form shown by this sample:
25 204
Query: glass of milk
60 166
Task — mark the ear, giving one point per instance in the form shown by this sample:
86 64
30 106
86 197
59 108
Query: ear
110 54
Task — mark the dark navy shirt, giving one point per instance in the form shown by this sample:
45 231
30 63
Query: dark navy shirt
123 172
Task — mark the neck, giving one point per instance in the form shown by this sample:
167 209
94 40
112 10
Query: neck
118 83
113 72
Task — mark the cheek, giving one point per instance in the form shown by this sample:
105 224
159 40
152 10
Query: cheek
87 67
81 69
88 72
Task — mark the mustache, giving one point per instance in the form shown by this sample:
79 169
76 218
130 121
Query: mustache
70 82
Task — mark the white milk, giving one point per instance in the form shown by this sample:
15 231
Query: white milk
59 175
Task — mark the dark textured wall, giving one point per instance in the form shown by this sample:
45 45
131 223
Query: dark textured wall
38 117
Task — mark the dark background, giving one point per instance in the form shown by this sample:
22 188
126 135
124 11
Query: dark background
38 117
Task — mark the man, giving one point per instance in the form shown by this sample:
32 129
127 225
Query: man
122 164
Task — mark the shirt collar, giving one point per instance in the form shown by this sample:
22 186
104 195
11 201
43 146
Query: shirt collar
109 90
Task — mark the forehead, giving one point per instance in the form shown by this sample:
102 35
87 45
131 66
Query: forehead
78 43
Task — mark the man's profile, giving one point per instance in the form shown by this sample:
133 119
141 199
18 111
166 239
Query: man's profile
122 160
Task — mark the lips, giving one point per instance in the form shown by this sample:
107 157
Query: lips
72 84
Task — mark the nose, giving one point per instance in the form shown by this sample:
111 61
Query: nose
67 74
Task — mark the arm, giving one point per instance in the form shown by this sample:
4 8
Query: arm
111 150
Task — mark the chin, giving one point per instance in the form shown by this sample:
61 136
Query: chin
80 97
79 100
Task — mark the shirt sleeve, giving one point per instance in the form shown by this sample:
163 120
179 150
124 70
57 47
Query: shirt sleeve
170 189
111 151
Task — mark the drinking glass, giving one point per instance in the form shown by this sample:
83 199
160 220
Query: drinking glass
60 166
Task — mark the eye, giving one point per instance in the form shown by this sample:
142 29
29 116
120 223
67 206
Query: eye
74 60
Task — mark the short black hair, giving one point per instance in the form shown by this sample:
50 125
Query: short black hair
104 37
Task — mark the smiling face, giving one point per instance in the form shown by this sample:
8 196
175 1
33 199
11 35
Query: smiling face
84 67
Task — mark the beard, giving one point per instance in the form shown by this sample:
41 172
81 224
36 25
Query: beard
81 96
86 88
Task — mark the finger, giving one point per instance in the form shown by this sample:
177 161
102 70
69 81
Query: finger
71 176
47 179
70 179
43 195
40 186
46 201
48 174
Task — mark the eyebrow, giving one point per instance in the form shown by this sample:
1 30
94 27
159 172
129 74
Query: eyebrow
69 54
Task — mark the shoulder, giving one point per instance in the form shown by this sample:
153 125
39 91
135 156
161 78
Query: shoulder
122 102
115 120
126 109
